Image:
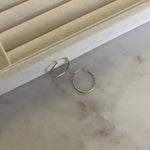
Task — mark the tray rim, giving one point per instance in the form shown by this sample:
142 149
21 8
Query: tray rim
19 68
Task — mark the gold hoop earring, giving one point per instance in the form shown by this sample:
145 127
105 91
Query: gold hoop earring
81 90
55 63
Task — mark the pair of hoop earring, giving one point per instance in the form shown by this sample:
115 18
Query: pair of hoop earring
74 75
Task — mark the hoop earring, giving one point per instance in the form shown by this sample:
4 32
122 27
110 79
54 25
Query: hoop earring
55 63
82 90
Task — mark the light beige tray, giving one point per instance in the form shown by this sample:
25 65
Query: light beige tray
33 33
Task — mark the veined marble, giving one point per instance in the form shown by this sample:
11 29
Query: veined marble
49 114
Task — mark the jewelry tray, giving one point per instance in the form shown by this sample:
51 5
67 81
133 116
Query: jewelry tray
33 33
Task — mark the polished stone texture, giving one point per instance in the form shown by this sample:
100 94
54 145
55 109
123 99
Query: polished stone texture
49 114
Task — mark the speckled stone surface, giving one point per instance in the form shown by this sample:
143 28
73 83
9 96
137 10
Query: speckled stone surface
49 114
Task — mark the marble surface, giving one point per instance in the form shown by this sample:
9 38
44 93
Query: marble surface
49 114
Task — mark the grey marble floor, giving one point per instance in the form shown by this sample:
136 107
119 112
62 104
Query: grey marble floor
49 114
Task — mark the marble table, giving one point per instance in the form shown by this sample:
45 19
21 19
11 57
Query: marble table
49 114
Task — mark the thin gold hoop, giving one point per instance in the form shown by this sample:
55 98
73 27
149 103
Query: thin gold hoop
55 63
82 90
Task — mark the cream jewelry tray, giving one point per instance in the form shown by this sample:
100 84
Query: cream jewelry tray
34 33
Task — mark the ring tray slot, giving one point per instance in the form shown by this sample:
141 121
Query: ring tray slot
33 31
